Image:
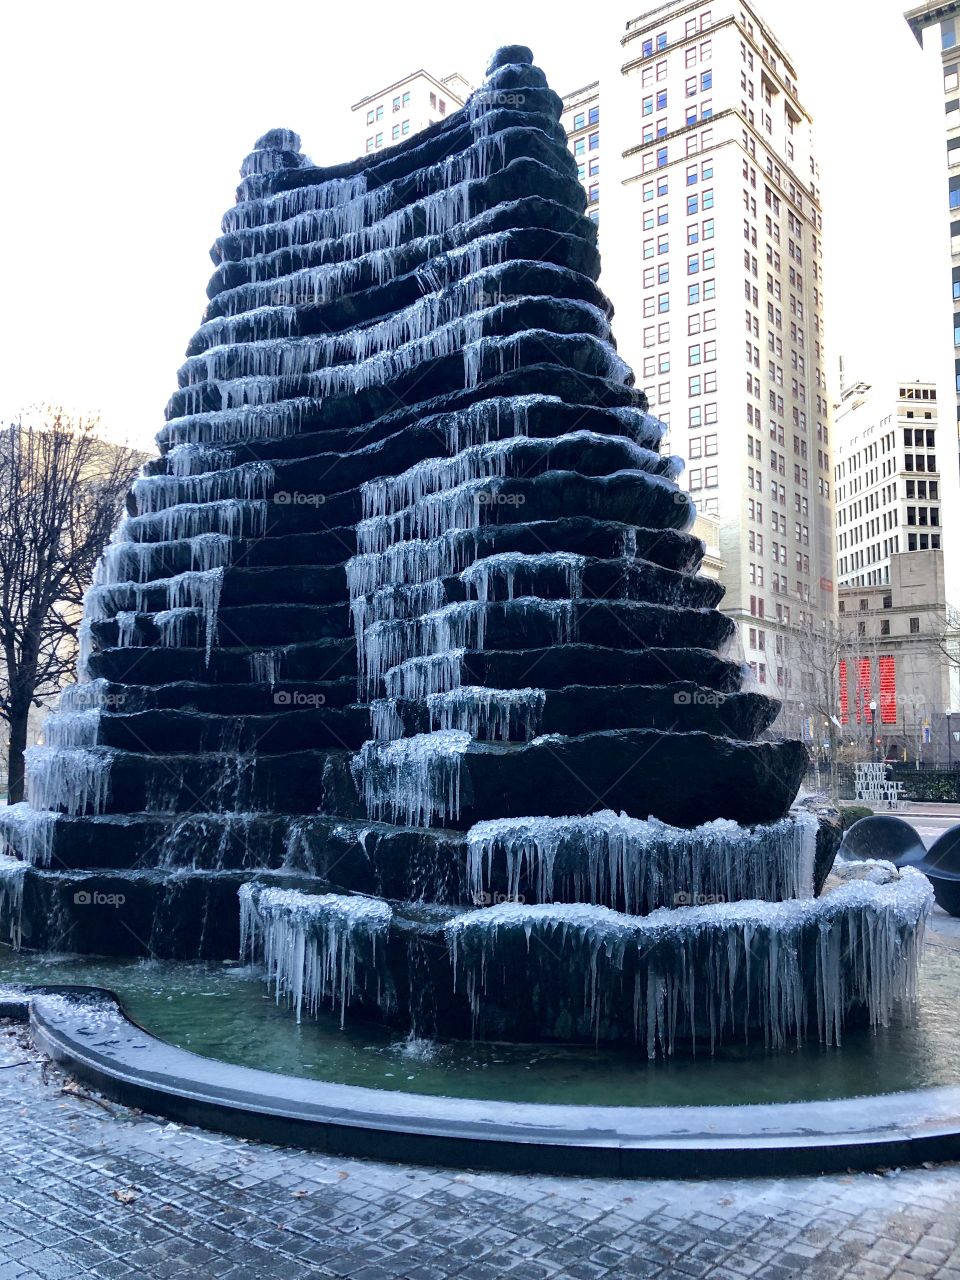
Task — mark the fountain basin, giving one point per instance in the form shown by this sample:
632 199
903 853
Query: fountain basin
87 1031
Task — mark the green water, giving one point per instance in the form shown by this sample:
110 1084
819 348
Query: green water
222 1011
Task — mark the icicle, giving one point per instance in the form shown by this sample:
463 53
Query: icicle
74 780
432 673
233 517
28 832
606 858
505 567
265 666
413 780
72 728
315 948
252 481
491 714
200 591
12 875
859 947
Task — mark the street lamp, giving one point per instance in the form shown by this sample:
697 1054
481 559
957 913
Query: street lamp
873 726
949 741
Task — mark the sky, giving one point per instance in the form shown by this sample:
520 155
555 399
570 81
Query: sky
126 125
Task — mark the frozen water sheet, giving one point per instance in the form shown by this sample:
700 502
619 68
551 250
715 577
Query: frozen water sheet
707 974
314 946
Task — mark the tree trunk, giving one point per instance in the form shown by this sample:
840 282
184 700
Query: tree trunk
15 762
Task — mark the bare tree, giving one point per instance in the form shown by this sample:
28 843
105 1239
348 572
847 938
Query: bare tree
948 635
813 654
61 490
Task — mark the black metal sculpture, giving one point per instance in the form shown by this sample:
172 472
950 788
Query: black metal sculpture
894 840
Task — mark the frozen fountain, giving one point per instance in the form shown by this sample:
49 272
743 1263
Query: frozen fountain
400 673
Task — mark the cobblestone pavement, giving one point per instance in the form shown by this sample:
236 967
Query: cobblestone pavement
88 1188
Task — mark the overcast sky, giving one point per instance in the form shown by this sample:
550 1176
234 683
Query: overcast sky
126 124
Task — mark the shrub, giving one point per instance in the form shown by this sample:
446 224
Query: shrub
851 813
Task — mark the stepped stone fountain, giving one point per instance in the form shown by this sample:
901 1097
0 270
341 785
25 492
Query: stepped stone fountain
400 674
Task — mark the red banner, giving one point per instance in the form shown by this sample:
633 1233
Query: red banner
863 690
844 700
888 689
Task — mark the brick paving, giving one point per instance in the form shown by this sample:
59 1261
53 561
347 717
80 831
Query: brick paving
88 1188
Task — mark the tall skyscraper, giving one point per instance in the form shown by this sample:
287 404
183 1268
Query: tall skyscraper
893 669
937 29
711 241
938 24
888 455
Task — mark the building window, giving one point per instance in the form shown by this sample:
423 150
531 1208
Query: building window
914 626
579 121
594 115
594 141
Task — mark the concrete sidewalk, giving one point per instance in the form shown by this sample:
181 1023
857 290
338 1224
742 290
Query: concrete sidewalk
88 1188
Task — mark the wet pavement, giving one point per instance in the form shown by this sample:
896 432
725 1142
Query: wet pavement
89 1188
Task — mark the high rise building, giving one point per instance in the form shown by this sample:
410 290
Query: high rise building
581 120
894 672
711 244
887 459
405 107
936 24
